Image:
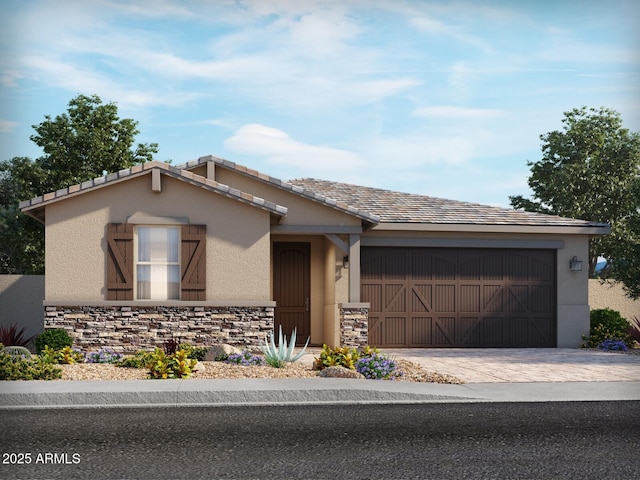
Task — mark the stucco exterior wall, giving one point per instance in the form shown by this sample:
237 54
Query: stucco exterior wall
21 298
611 295
238 249
300 210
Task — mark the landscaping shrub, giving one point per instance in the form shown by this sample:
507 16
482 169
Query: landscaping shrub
611 345
246 358
66 355
176 365
341 357
378 367
171 346
55 338
607 324
104 355
139 360
10 336
18 367
197 353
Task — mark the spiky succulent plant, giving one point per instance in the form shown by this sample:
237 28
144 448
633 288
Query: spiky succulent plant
278 356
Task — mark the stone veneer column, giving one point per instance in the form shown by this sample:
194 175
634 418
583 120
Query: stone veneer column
128 329
354 324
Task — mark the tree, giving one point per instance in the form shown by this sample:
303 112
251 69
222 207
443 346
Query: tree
84 143
591 170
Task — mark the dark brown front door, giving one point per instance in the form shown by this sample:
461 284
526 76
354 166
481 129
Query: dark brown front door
291 289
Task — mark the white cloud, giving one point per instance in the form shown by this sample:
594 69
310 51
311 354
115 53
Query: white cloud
280 150
458 113
7 126
9 78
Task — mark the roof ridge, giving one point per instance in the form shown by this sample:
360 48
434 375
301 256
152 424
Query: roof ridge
284 185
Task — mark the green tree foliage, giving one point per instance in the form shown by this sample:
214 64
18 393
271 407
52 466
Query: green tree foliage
591 170
84 143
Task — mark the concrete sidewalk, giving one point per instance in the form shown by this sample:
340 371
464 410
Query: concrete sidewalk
140 393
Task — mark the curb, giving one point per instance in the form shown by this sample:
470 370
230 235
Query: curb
181 393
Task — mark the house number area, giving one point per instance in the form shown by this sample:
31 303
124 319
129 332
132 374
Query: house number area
50 458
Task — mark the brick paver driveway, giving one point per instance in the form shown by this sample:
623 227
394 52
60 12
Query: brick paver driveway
526 365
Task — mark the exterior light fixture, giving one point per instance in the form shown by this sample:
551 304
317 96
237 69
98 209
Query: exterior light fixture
345 261
575 265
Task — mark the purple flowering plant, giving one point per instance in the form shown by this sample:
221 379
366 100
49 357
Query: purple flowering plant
245 358
104 355
378 367
612 345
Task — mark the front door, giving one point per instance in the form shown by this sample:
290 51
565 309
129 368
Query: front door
292 289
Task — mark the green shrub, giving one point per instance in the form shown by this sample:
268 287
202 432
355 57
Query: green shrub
66 355
196 353
607 324
55 338
139 360
176 365
17 367
342 356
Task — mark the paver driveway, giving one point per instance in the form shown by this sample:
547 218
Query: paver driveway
526 365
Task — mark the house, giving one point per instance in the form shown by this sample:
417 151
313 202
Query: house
212 251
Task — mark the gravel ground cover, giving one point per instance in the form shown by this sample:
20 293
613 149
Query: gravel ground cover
99 371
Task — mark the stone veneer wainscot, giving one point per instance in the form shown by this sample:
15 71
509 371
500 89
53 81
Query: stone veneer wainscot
129 328
354 324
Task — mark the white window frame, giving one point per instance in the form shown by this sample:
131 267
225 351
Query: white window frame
154 291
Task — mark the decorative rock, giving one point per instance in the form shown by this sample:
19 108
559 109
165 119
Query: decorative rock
219 350
340 372
198 367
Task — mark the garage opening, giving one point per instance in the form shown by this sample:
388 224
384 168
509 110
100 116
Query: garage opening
447 298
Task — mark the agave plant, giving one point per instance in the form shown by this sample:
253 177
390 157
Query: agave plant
278 356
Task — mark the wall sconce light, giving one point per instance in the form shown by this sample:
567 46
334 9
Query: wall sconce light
345 261
575 265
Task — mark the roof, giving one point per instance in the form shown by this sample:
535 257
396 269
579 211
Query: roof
397 207
313 195
35 206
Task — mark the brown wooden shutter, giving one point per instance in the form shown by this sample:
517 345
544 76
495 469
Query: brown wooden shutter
193 259
119 261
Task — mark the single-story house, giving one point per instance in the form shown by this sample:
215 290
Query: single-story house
212 252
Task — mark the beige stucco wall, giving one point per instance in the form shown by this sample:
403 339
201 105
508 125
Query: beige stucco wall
611 295
573 293
238 249
300 210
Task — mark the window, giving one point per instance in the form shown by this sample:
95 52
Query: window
157 263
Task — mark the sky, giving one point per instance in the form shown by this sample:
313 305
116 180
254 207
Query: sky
440 98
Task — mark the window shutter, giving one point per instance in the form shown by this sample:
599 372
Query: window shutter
119 261
193 260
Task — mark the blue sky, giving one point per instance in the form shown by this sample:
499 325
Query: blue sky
438 98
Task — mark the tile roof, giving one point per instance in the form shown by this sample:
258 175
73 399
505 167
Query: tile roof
34 206
397 207
313 195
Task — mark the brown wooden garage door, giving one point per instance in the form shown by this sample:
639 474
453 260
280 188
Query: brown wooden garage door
439 297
